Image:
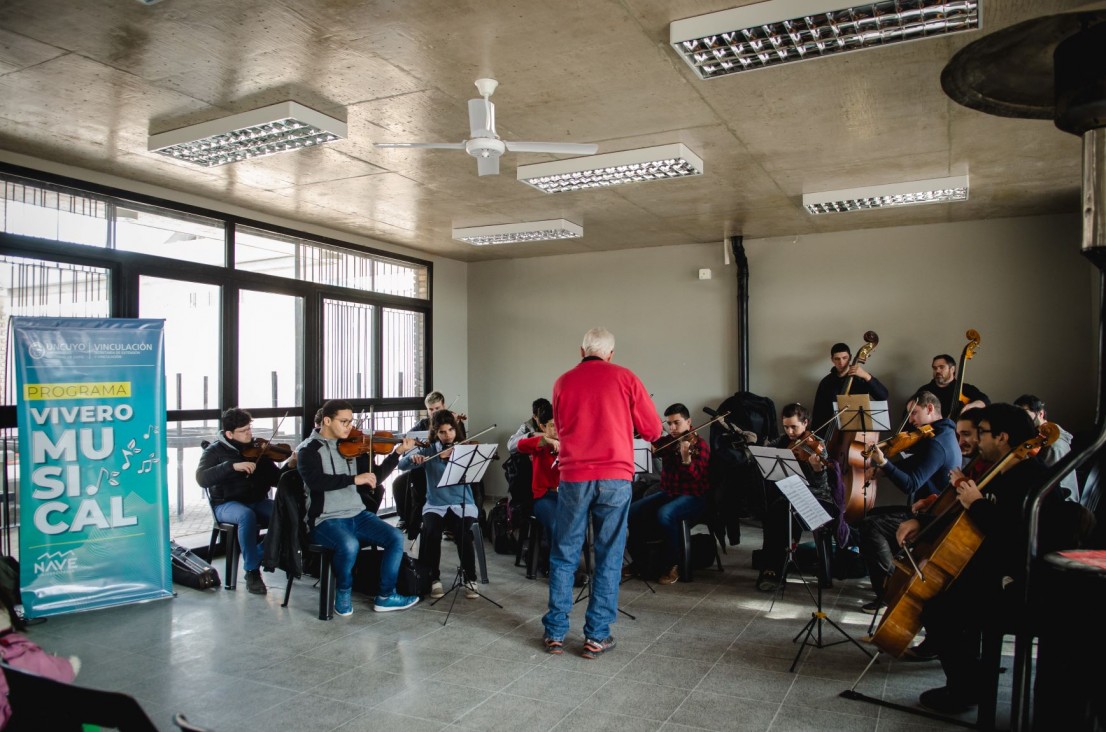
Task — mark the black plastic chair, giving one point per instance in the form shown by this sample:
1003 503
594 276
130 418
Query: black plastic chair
712 522
327 586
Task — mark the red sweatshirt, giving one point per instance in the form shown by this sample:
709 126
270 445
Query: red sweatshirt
546 476
598 406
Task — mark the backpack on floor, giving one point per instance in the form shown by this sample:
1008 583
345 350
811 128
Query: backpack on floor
191 571
499 526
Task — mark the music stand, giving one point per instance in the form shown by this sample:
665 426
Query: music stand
779 466
467 464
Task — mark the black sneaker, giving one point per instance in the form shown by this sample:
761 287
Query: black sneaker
553 646
768 581
944 701
873 607
595 649
254 583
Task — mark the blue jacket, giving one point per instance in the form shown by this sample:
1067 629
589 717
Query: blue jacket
927 469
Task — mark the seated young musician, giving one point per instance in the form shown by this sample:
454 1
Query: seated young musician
796 424
238 488
683 487
993 580
542 449
342 495
447 507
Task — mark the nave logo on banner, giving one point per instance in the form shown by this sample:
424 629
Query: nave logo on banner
55 562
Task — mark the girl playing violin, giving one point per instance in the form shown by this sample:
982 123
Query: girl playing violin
447 507
684 483
809 449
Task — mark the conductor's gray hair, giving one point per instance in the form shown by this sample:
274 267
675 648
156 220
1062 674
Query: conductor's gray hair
598 342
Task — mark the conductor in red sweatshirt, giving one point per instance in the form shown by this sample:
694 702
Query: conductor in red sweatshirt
599 407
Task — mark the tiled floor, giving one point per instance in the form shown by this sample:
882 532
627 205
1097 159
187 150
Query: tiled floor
701 655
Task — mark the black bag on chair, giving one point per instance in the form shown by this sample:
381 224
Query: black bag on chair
190 570
499 528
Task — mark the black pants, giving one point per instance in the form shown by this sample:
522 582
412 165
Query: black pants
774 548
877 543
954 622
409 492
430 545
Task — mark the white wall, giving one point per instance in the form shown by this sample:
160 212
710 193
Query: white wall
527 318
1020 282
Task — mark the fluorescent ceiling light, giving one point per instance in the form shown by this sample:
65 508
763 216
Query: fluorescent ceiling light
782 31
612 169
525 231
936 190
277 128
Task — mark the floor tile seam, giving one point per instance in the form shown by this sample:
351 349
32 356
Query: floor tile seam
584 701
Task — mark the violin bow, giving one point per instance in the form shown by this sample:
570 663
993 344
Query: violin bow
689 432
469 439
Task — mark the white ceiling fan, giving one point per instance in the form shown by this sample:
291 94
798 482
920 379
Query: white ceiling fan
485 144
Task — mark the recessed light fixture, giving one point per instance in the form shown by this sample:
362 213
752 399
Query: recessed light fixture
524 231
612 169
935 190
782 31
277 128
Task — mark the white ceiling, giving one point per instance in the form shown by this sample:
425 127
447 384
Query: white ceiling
85 83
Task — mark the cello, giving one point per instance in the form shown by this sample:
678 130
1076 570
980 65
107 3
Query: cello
930 563
959 400
843 449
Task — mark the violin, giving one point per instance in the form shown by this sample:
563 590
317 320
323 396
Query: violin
687 436
275 451
895 444
808 446
378 443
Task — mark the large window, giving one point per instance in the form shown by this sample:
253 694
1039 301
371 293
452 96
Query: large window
271 320
270 360
191 313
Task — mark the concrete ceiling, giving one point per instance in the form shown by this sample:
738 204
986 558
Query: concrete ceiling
85 83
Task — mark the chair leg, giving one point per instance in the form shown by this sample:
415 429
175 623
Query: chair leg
213 543
326 588
524 534
287 589
231 581
534 550
478 545
685 570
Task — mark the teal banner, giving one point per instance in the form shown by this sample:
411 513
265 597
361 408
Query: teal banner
94 519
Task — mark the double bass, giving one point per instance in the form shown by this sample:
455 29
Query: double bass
931 562
847 446
959 400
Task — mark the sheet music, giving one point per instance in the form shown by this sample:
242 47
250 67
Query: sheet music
777 463
643 456
467 464
856 413
806 505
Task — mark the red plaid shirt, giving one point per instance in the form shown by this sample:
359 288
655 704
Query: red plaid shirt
678 479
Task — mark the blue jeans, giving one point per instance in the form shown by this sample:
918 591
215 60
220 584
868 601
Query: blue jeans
250 517
545 511
346 535
607 502
666 511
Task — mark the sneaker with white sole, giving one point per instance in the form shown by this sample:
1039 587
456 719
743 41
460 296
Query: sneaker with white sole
470 590
394 601
436 590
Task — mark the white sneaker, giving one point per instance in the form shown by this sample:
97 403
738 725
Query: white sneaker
470 591
436 590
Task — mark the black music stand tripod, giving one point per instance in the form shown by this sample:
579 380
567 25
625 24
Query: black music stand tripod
467 464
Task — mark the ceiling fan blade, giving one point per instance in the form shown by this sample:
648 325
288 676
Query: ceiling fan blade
481 118
487 166
559 148
434 145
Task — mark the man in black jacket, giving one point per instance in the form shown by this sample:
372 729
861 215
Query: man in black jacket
239 488
943 386
834 382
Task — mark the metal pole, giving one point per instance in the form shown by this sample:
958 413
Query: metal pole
738 248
